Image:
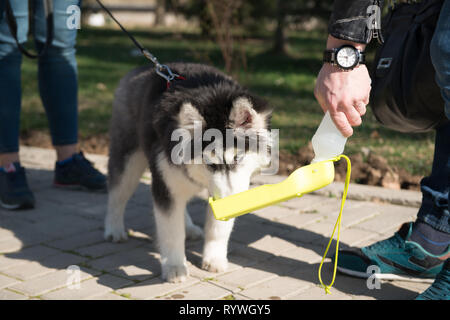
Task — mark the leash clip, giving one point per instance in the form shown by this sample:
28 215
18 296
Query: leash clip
161 69
164 71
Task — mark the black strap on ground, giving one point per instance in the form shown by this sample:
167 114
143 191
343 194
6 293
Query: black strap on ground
12 23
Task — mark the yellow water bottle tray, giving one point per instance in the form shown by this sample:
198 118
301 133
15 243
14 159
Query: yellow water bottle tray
303 180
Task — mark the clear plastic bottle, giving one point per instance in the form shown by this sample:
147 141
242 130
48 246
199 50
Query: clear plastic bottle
328 141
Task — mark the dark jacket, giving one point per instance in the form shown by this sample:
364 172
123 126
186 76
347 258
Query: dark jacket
349 20
2 9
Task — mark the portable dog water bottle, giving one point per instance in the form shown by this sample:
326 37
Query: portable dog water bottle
303 180
328 143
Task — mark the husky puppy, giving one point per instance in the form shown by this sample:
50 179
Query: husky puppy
145 114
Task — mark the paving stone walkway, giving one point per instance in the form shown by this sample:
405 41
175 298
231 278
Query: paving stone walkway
56 251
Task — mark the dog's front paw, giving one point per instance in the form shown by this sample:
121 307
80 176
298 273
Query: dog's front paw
215 264
115 234
174 274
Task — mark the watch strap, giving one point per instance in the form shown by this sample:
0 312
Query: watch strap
362 57
329 56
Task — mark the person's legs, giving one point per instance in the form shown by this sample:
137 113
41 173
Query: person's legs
57 73
10 82
14 190
432 229
436 210
419 250
58 87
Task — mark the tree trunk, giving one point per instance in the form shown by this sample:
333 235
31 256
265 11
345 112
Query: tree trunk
160 12
280 43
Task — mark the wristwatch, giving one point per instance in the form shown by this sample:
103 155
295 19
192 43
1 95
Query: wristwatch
346 57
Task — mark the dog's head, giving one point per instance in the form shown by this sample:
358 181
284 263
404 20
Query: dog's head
222 137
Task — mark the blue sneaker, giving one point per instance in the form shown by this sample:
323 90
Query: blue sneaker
440 289
14 191
79 173
397 258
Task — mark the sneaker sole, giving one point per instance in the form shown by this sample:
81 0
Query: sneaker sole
16 206
77 187
384 276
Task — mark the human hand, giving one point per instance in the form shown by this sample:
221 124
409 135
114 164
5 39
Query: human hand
344 94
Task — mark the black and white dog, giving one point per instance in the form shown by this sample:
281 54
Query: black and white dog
145 116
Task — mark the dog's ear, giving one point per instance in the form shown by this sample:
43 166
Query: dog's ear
244 116
189 117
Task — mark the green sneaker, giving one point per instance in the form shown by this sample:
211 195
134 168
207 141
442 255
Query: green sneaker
396 258
440 289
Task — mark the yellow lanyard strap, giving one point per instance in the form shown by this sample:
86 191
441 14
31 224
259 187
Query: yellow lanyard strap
338 226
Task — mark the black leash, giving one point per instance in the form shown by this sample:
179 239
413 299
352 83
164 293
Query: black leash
161 69
12 24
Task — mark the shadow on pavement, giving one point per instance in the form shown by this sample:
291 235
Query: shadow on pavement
66 228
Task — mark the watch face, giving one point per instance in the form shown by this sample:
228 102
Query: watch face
347 57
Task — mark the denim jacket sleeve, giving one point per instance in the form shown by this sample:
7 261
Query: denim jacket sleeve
349 19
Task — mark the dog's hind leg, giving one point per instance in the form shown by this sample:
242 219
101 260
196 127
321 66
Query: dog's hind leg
124 176
193 232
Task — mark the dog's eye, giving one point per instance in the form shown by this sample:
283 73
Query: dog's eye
212 166
247 120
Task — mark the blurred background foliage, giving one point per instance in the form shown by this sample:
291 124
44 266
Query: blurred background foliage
273 47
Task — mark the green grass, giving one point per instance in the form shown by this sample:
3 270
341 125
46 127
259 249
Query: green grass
287 82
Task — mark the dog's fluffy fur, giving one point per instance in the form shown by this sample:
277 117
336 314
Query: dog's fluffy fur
145 113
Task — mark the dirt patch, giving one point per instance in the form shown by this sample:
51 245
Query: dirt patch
98 144
373 170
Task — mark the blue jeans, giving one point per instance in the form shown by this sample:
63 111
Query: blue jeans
57 74
435 209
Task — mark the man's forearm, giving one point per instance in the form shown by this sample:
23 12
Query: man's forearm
345 94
